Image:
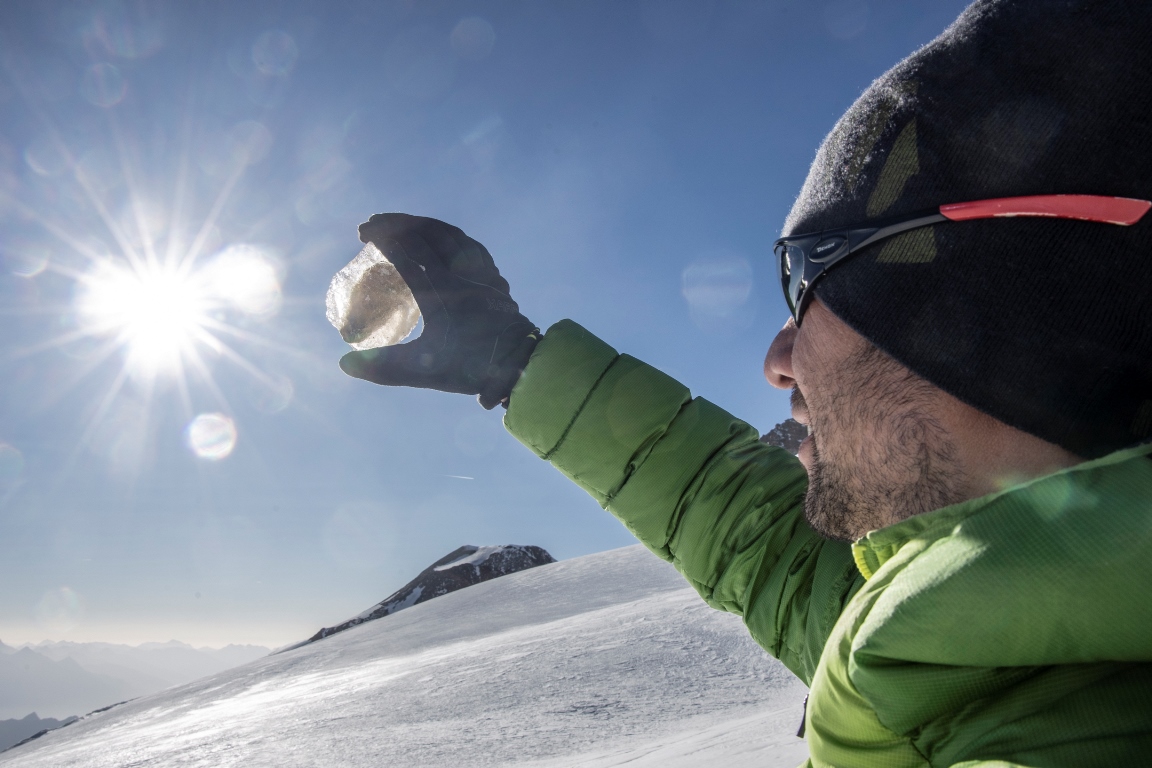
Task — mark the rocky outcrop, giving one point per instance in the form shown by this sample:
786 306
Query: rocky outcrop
787 435
461 568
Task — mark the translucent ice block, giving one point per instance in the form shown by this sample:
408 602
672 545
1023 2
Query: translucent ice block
369 303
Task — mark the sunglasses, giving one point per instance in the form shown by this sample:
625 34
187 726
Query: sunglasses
803 259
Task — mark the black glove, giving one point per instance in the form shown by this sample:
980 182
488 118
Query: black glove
475 341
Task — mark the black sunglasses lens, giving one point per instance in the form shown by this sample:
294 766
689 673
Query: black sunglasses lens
785 270
791 260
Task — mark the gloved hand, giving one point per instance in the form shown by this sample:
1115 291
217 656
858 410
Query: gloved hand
474 341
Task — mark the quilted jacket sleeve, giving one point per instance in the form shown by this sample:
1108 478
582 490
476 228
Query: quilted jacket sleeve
693 483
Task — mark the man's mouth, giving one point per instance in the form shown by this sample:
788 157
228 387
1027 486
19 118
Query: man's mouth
799 408
801 416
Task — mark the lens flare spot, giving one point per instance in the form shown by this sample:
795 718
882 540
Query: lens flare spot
126 30
272 394
27 261
717 288
245 277
59 610
103 85
275 52
211 436
248 142
47 157
11 463
472 38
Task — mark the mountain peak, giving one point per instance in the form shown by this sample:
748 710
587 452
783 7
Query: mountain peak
788 435
169 644
462 567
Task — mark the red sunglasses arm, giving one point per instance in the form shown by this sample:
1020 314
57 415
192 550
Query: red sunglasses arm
1124 211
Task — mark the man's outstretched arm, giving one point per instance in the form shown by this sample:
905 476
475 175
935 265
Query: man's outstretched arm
692 482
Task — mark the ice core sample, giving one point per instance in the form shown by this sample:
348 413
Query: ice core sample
369 303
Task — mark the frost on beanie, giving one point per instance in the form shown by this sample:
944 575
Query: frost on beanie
1044 324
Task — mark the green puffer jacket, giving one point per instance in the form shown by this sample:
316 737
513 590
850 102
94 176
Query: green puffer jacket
1013 629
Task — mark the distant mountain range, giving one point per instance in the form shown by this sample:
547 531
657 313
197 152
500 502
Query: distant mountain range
12 732
61 679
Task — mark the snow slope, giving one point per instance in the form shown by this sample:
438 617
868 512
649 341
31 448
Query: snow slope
603 660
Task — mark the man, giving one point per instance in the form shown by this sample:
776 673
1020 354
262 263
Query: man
968 266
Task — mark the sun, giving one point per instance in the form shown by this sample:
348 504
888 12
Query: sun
159 314
169 305
156 312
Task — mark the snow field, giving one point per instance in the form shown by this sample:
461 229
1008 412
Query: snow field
603 660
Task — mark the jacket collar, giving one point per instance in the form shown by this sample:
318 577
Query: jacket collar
878 547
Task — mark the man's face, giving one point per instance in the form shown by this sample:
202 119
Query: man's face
877 451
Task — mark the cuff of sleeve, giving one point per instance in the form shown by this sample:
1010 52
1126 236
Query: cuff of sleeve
561 374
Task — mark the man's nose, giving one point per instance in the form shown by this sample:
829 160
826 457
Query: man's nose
778 361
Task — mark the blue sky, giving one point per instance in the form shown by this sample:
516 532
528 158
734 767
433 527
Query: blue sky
628 164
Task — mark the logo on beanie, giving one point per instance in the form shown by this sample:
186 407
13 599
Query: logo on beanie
861 140
902 164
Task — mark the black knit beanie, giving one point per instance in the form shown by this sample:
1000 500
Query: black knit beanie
1044 324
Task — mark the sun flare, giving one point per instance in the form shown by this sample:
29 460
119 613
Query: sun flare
171 311
159 313
156 312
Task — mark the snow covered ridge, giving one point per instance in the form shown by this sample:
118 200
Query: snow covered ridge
460 568
604 660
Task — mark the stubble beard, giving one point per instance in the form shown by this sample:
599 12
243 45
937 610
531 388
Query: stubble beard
878 454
